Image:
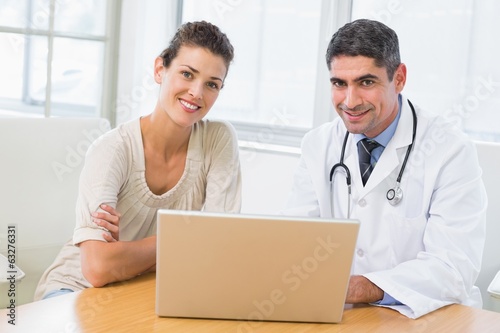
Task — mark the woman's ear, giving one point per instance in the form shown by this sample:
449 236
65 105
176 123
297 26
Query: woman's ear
159 69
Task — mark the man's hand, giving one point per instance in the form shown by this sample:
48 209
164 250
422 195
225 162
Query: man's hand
362 290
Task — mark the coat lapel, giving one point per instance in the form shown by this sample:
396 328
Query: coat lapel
392 157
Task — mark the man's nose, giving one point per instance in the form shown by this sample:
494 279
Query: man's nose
352 97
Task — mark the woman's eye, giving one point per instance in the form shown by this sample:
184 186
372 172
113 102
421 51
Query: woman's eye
213 85
186 74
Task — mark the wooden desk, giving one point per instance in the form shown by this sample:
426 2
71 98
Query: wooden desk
130 307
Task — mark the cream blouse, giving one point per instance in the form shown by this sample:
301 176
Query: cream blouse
114 173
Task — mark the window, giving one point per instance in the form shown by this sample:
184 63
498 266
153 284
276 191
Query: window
59 58
278 79
146 29
56 57
450 50
278 86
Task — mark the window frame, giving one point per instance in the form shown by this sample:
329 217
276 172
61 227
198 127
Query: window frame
110 65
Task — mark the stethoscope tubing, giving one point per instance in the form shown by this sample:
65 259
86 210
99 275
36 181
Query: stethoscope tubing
394 195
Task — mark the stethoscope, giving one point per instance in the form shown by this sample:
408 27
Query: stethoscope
394 195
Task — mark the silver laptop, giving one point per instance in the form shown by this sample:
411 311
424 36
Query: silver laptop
252 267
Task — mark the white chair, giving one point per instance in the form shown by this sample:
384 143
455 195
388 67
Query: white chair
489 159
41 160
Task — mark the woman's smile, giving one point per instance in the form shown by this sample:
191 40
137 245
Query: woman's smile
189 107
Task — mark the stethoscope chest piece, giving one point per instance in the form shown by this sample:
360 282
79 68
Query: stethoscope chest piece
395 195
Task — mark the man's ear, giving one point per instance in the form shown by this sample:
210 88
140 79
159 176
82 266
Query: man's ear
158 70
400 77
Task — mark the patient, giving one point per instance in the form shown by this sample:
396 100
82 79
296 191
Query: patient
171 158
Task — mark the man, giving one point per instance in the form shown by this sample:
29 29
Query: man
418 194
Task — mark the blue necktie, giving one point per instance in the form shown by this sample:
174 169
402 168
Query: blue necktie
365 147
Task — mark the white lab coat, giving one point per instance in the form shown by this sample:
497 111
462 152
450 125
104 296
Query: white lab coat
425 252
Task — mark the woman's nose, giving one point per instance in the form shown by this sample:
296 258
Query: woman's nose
196 90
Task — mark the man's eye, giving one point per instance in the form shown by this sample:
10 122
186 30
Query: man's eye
338 84
367 83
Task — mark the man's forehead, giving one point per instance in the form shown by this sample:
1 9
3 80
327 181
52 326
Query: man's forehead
354 67
346 60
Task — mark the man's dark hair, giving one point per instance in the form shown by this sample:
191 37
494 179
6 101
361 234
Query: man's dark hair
366 38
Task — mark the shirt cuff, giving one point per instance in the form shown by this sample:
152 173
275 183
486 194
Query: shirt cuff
388 300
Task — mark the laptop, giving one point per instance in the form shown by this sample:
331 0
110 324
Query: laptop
252 267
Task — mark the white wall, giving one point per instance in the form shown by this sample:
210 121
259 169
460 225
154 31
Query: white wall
267 180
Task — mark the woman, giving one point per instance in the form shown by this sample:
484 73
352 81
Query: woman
171 159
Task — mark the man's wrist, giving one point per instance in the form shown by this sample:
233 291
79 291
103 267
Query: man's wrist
362 290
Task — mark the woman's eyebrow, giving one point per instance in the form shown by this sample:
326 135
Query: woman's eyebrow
194 70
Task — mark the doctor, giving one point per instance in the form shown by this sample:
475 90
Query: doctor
422 208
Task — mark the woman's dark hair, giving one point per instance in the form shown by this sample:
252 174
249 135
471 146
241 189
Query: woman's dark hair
366 38
201 34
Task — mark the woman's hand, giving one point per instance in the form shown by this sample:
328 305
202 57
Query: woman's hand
110 220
